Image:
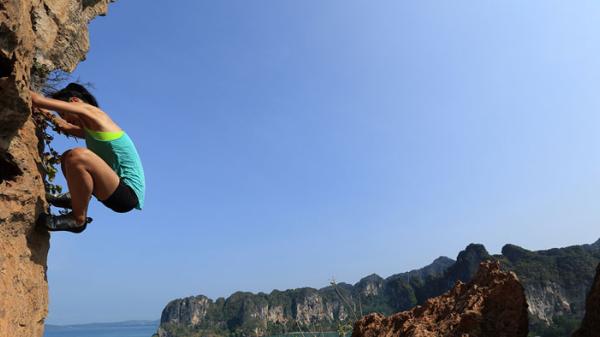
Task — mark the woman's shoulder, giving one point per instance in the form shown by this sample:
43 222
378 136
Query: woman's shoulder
101 121
94 110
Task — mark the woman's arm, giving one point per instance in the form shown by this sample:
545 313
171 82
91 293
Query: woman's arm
64 126
80 109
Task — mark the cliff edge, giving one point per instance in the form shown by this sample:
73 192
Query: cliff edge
34 34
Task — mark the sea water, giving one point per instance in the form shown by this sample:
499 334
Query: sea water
102 330
145 330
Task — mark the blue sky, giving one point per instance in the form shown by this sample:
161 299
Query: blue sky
289 142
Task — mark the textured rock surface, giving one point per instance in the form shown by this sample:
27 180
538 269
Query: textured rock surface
251 314
555 280
492 304
590 327
32 32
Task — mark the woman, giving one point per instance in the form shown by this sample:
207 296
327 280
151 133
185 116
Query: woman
109 168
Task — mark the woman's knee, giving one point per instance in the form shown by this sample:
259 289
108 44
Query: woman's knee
77 154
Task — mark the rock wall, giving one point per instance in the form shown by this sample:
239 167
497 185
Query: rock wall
492 304
590 327
555 280
252 314
34 34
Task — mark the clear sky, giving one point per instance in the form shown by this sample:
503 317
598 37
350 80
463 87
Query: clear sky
289 142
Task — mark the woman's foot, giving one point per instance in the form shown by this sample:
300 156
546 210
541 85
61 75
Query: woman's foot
62 200
63 222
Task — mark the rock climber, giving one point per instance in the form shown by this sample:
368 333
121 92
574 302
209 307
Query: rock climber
108 168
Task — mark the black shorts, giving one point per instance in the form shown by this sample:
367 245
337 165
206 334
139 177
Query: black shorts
122 200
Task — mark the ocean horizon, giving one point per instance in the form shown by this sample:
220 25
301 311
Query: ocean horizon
112 329
135 329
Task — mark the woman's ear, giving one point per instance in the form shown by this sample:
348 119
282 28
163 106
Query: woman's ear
74 99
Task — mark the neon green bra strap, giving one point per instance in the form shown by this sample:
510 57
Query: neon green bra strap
105 136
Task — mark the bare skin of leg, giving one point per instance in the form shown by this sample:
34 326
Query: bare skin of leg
86 173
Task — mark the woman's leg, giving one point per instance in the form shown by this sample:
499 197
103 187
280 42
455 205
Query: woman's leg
86 173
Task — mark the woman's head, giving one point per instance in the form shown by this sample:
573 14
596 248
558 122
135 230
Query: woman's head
74 90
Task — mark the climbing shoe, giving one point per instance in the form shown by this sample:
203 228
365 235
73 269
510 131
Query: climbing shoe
62 200
63 222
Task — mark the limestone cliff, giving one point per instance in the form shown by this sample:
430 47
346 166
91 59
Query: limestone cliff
555 280
492 304
254 314
322 309
555 283
52 33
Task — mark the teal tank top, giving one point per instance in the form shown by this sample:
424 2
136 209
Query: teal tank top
118 151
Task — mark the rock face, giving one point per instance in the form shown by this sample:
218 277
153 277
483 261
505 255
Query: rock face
555 281
590 327
492 304
34 34
252 314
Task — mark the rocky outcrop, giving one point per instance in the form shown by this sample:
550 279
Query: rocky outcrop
590 327
36 36
492 304
189 311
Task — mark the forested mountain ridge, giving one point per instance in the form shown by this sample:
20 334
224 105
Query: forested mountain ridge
556 282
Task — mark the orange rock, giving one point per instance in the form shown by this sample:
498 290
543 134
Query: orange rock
492 304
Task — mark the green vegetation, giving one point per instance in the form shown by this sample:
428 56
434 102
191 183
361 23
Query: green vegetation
47 82
569 267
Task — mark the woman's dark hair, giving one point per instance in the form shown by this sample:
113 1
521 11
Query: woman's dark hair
75 90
